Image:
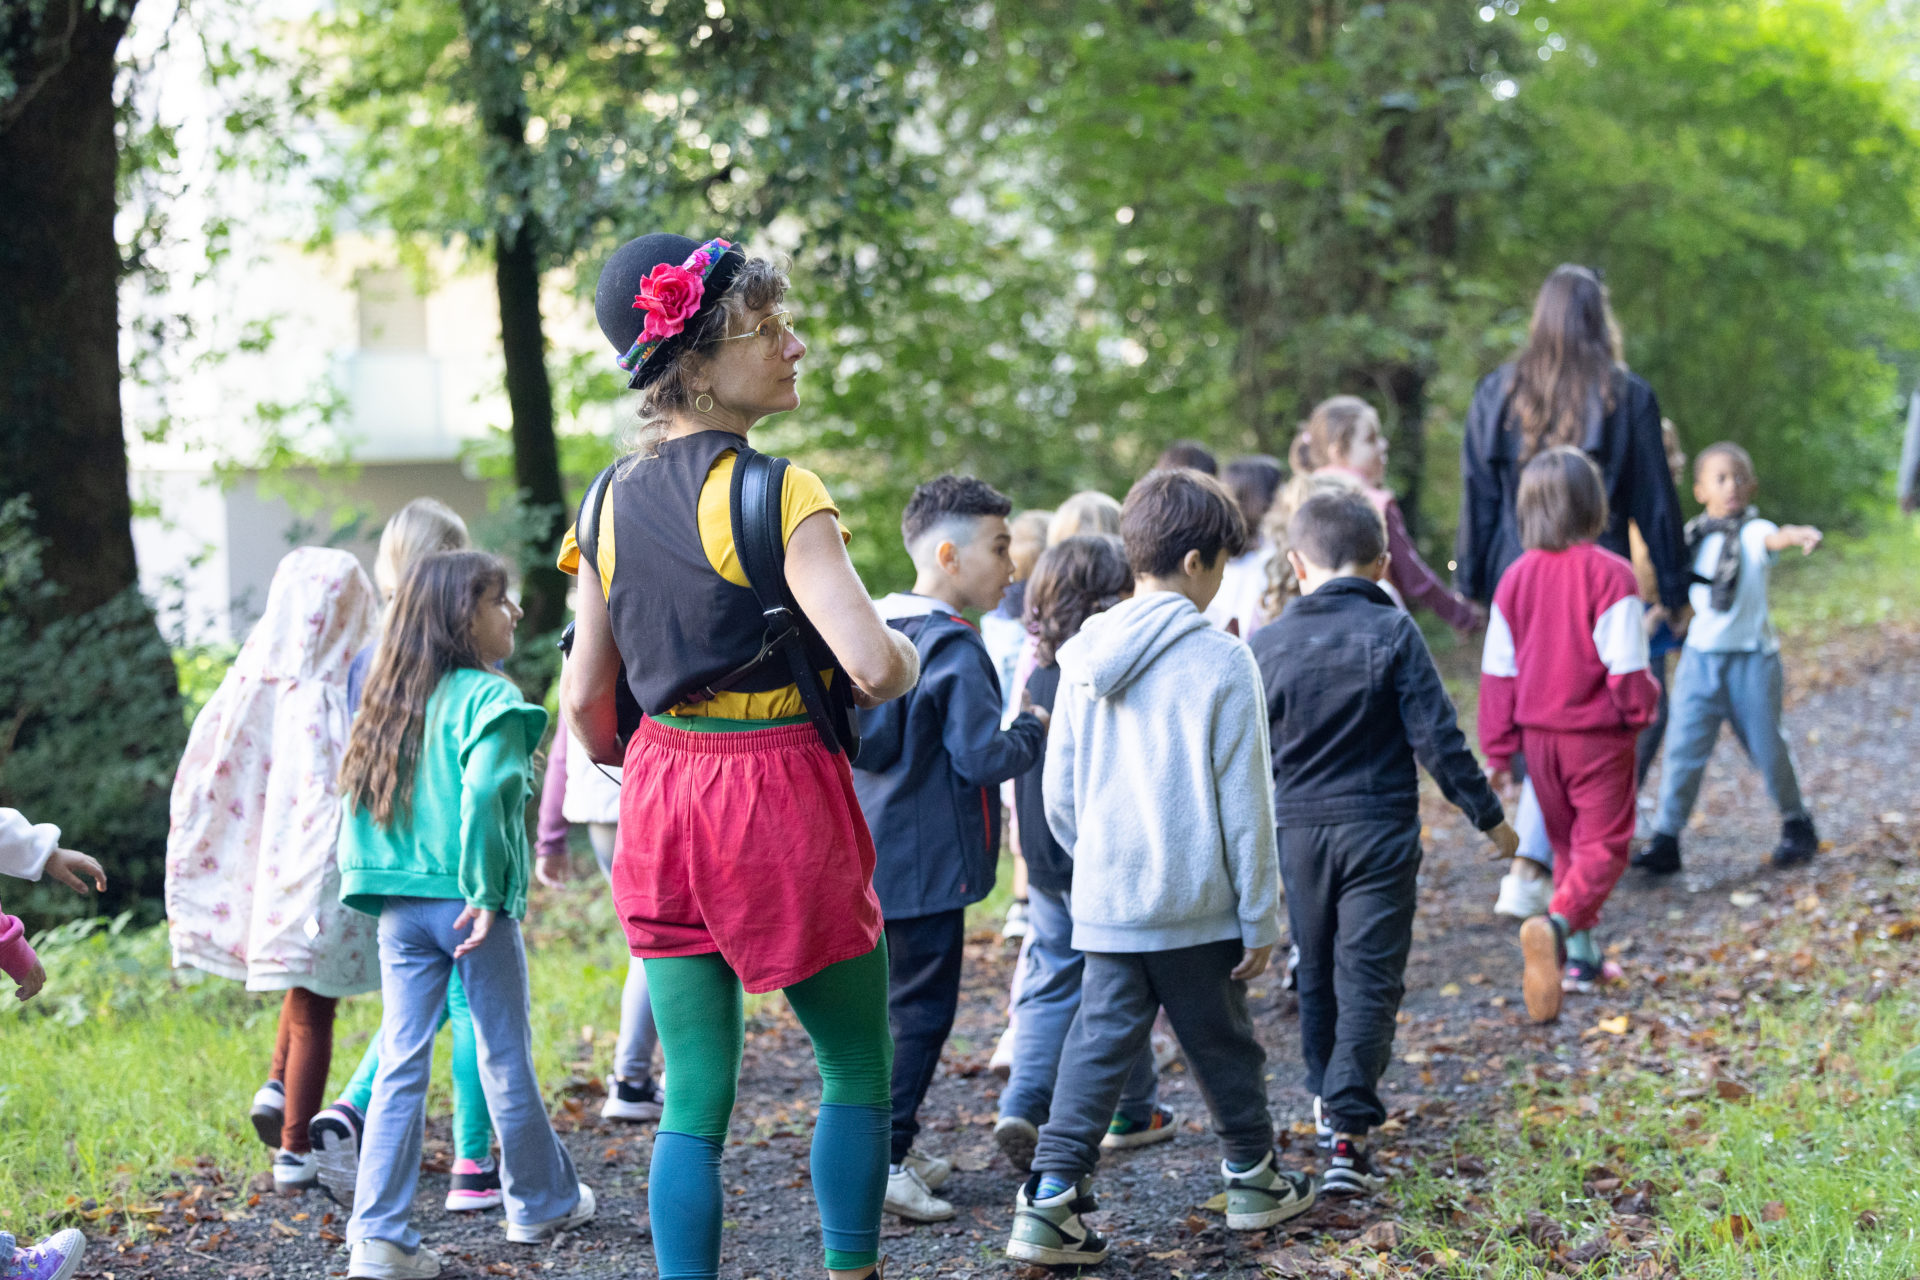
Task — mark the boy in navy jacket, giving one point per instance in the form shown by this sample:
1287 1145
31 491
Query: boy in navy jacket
928 774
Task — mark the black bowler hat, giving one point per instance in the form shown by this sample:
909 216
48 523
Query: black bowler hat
634 294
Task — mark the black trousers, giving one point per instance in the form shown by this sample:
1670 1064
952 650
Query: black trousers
923 994
1350 899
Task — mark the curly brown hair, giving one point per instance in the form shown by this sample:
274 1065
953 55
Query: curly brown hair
1075 578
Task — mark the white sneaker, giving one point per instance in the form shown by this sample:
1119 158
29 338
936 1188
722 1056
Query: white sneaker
910 1198
631 1101
1017 1138
1001 1063
1016 925
294 1172
385 1260
1322 1131
269 1112
335 1135
1523 897
541 1232
932 1169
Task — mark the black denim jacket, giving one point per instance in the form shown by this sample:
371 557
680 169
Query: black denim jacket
1353 698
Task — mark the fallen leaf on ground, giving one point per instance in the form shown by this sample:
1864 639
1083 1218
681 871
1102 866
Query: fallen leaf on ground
1736 1227
1727 1089
1773 1211
1382 1237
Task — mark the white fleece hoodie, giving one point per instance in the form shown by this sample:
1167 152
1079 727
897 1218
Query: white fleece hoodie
1159 784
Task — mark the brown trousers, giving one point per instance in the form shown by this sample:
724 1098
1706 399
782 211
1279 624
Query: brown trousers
302 1055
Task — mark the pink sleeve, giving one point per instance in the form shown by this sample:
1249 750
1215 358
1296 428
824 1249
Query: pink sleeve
16 957
1416 582
1499 674
550 837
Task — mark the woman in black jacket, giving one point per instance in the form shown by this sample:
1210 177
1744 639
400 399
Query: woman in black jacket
1568 385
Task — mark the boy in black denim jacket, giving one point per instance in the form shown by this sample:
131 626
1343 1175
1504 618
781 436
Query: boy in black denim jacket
1353 698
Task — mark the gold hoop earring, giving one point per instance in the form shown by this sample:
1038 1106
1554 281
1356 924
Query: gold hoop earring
703 402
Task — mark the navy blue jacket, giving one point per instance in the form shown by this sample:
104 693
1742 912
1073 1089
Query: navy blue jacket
1352 698
1625 444
929 766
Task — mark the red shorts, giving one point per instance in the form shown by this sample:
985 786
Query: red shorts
749 844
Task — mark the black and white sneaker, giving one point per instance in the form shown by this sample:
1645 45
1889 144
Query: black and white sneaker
1290 975
292 1172
1050 1231
269 1114
1322 1131
334 1135
1349 1171
631 1102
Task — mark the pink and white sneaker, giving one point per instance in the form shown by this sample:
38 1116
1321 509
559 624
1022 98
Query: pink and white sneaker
476 1186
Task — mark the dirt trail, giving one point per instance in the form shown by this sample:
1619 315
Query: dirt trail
1857 743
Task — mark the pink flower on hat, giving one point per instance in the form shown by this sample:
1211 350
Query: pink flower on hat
671 295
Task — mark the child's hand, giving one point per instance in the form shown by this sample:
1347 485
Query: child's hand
68 866
481 918
1252 964
36 979
552 870
1803 536
1501 780
1505 838
1651 620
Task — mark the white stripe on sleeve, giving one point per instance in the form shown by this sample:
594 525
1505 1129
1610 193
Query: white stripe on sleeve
1497 659
1621 636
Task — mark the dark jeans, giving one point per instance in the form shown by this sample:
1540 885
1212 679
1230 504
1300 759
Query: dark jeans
1350 900
1119 995
923 993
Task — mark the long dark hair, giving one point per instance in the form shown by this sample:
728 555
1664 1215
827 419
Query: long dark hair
429 634
1074 579
1572 351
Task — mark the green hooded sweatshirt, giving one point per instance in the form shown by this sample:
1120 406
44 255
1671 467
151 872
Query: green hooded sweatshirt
465 835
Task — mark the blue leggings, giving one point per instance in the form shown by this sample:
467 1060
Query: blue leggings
697 1004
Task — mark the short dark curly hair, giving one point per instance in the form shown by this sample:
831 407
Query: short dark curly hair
1171 512
949 497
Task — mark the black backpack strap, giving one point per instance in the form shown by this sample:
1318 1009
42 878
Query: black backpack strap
758 482
586 536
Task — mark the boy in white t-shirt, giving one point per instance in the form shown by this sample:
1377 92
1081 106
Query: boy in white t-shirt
1729 669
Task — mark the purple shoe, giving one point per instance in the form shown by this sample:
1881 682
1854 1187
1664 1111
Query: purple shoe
55 1258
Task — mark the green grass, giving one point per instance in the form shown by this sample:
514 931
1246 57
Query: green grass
1851 582
1776 1184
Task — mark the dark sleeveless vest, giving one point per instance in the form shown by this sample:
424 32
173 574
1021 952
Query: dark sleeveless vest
680 627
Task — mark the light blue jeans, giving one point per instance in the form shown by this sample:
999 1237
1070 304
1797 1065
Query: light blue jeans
537 1177
1049 997
1531 826
639 1037
1742 689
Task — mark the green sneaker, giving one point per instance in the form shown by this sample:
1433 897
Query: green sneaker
1265 1196
1123 1134
1050 1232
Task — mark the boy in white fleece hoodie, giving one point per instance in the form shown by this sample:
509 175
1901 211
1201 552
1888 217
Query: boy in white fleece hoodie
1158 784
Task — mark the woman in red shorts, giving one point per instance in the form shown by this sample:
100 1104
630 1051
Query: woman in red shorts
743 862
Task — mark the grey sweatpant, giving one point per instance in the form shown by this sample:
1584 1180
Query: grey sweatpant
639 1037
1119 996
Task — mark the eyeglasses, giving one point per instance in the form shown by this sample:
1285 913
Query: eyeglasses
772 332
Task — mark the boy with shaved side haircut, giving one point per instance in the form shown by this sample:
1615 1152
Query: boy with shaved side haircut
928 774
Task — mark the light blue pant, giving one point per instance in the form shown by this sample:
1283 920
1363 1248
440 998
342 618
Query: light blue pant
639 1037
537 1178
1744 690
1049 997
1531 826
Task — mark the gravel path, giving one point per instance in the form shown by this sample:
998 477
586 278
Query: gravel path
1857 742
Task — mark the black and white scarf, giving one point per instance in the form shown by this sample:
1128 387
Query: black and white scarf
1726 570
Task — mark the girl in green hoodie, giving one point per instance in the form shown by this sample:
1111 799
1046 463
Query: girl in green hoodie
433 841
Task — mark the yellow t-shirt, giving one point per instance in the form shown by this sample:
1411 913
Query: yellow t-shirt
802 494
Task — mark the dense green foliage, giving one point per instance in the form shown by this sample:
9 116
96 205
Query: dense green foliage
89 736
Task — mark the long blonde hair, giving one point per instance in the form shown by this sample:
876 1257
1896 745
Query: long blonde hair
420 528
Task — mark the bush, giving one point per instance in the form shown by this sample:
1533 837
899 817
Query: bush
90 729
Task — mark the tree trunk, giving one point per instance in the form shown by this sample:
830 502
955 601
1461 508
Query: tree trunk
536 454
61 439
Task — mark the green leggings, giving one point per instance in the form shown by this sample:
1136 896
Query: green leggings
697 1005
472 1126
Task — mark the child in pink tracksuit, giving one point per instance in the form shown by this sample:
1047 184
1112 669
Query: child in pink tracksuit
28 852
1564 678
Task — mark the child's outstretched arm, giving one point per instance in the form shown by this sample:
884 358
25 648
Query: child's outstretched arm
1433 727
1803 536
